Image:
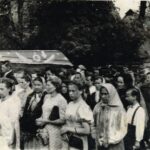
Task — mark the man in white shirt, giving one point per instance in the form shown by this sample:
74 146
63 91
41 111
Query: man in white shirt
135 119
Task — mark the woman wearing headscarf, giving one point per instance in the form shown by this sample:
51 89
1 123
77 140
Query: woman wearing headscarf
32 111
110 124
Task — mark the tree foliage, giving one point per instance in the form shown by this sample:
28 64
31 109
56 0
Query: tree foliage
91 33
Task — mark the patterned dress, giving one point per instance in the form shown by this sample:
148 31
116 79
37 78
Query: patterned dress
55 142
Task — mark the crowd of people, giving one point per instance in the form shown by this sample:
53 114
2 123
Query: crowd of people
77 109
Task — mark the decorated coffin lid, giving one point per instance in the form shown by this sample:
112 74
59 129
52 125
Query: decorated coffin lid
35 57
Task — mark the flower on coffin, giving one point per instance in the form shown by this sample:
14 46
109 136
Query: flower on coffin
36 57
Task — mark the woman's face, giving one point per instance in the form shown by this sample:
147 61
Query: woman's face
120 83
38 86
33 76
74 92
4 91
77 78
50 87
19 76
64 89
98 83
89 81
23 83
48 74
104 95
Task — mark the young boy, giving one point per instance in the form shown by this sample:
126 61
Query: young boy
135 119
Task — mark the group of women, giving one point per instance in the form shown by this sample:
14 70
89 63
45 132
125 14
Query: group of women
40 117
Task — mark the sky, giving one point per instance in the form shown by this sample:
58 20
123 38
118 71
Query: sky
125 5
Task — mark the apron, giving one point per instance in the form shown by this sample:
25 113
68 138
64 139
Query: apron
130 137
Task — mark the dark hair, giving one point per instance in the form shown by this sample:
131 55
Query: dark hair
98 77
50 69
77 84
9 84
103 87
147 73
76 73
38 79
27 78
64 84
56 82
6 63
20 71
116 79
128 80
135 92
90 75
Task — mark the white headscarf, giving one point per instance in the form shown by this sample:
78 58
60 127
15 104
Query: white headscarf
113 94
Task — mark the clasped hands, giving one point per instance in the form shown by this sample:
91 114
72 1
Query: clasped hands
103 142
65 129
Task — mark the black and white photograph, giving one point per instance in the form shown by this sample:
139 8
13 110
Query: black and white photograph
74 75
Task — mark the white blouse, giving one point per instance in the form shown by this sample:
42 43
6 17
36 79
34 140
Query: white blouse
110 123
139 120
79 111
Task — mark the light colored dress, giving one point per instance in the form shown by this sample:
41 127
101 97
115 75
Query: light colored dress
55 142
110 124
110 121
9 114
76 113
5 131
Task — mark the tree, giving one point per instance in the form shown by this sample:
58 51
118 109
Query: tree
91 33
